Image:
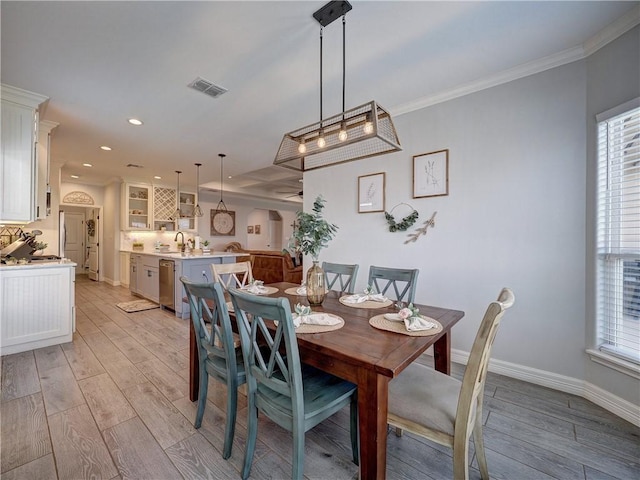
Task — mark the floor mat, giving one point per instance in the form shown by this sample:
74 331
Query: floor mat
137 306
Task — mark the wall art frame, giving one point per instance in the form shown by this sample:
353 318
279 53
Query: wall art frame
431 174
371 195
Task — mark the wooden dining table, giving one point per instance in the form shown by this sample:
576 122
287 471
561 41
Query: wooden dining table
368 357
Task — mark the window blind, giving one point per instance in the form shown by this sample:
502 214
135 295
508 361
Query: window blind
618 233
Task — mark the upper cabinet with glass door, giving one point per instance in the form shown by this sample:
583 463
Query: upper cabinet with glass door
187 220
137 207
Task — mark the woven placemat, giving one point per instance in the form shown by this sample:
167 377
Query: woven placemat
367 304
306 328
269 291
398 327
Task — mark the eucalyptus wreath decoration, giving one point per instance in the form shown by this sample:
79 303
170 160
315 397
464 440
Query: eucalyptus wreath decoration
403 224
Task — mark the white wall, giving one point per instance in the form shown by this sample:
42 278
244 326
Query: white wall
515 216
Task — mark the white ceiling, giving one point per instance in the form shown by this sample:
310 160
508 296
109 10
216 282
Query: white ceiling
103 62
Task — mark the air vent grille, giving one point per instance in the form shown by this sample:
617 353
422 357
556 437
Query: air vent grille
207 87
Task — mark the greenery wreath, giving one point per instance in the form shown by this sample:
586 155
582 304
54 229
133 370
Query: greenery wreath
403 224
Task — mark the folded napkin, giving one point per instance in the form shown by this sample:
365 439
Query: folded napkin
302 289
314 319
364 297
412 324
256 287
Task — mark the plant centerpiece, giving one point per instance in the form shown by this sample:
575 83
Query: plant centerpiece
312 234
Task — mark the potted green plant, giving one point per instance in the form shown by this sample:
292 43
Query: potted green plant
205 246
311 234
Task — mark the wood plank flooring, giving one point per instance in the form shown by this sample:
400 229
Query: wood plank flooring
113 404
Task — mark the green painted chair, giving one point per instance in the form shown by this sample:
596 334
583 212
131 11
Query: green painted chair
403 281
342 274
444 409
293 395
219 355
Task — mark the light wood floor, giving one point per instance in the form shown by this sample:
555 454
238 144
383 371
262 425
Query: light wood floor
114 404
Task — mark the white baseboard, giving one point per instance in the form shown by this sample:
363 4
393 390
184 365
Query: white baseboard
614 404
112 282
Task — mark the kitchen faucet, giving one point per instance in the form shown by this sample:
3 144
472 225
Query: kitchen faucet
183 244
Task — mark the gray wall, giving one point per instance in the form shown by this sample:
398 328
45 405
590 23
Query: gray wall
515 215
613 78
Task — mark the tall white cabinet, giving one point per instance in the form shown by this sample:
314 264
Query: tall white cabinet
18 157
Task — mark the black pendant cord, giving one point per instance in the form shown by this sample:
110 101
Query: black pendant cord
321 30
221 206
344 36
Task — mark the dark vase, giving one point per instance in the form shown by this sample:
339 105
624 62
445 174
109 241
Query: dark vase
315 284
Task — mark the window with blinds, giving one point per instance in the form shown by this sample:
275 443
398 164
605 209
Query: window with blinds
618 225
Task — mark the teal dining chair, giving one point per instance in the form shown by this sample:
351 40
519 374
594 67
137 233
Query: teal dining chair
219 355
340 273
444 409
293 395
403 281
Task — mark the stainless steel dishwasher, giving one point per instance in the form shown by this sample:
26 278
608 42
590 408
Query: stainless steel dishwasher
167 284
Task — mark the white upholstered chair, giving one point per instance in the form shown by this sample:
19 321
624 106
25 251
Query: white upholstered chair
446 410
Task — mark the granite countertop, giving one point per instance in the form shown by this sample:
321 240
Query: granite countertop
65 262
187 256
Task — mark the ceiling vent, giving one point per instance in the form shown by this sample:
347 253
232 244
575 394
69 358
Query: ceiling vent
206 87
133 165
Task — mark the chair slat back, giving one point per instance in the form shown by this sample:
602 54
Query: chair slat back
343 274
403 281
476 370
210 318
232 275
263 350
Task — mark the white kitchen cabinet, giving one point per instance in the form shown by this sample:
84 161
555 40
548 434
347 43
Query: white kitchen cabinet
37 307
148 273
43 196
187 219
136 207
18 168
164 207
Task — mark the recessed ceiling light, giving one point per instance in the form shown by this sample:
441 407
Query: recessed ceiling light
104 147
75 176
87 165
135 121
157 177
229 176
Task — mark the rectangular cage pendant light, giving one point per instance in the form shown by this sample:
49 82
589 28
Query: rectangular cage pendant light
369 132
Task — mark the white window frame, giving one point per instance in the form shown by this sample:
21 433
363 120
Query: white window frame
618 238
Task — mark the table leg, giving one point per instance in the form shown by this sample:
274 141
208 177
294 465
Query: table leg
373 390
194 368
442 354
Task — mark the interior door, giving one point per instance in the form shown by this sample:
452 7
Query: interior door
74 247
93 226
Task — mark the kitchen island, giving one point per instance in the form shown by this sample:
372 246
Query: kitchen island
148 271
37 305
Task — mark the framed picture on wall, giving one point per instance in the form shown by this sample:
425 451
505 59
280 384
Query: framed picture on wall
250 229
257 229
371 193
431 174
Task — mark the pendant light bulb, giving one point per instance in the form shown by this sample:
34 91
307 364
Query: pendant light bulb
368 125
302 148
343 135
321 141
197 211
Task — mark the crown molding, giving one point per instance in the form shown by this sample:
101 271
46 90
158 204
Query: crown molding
602 38
612 31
